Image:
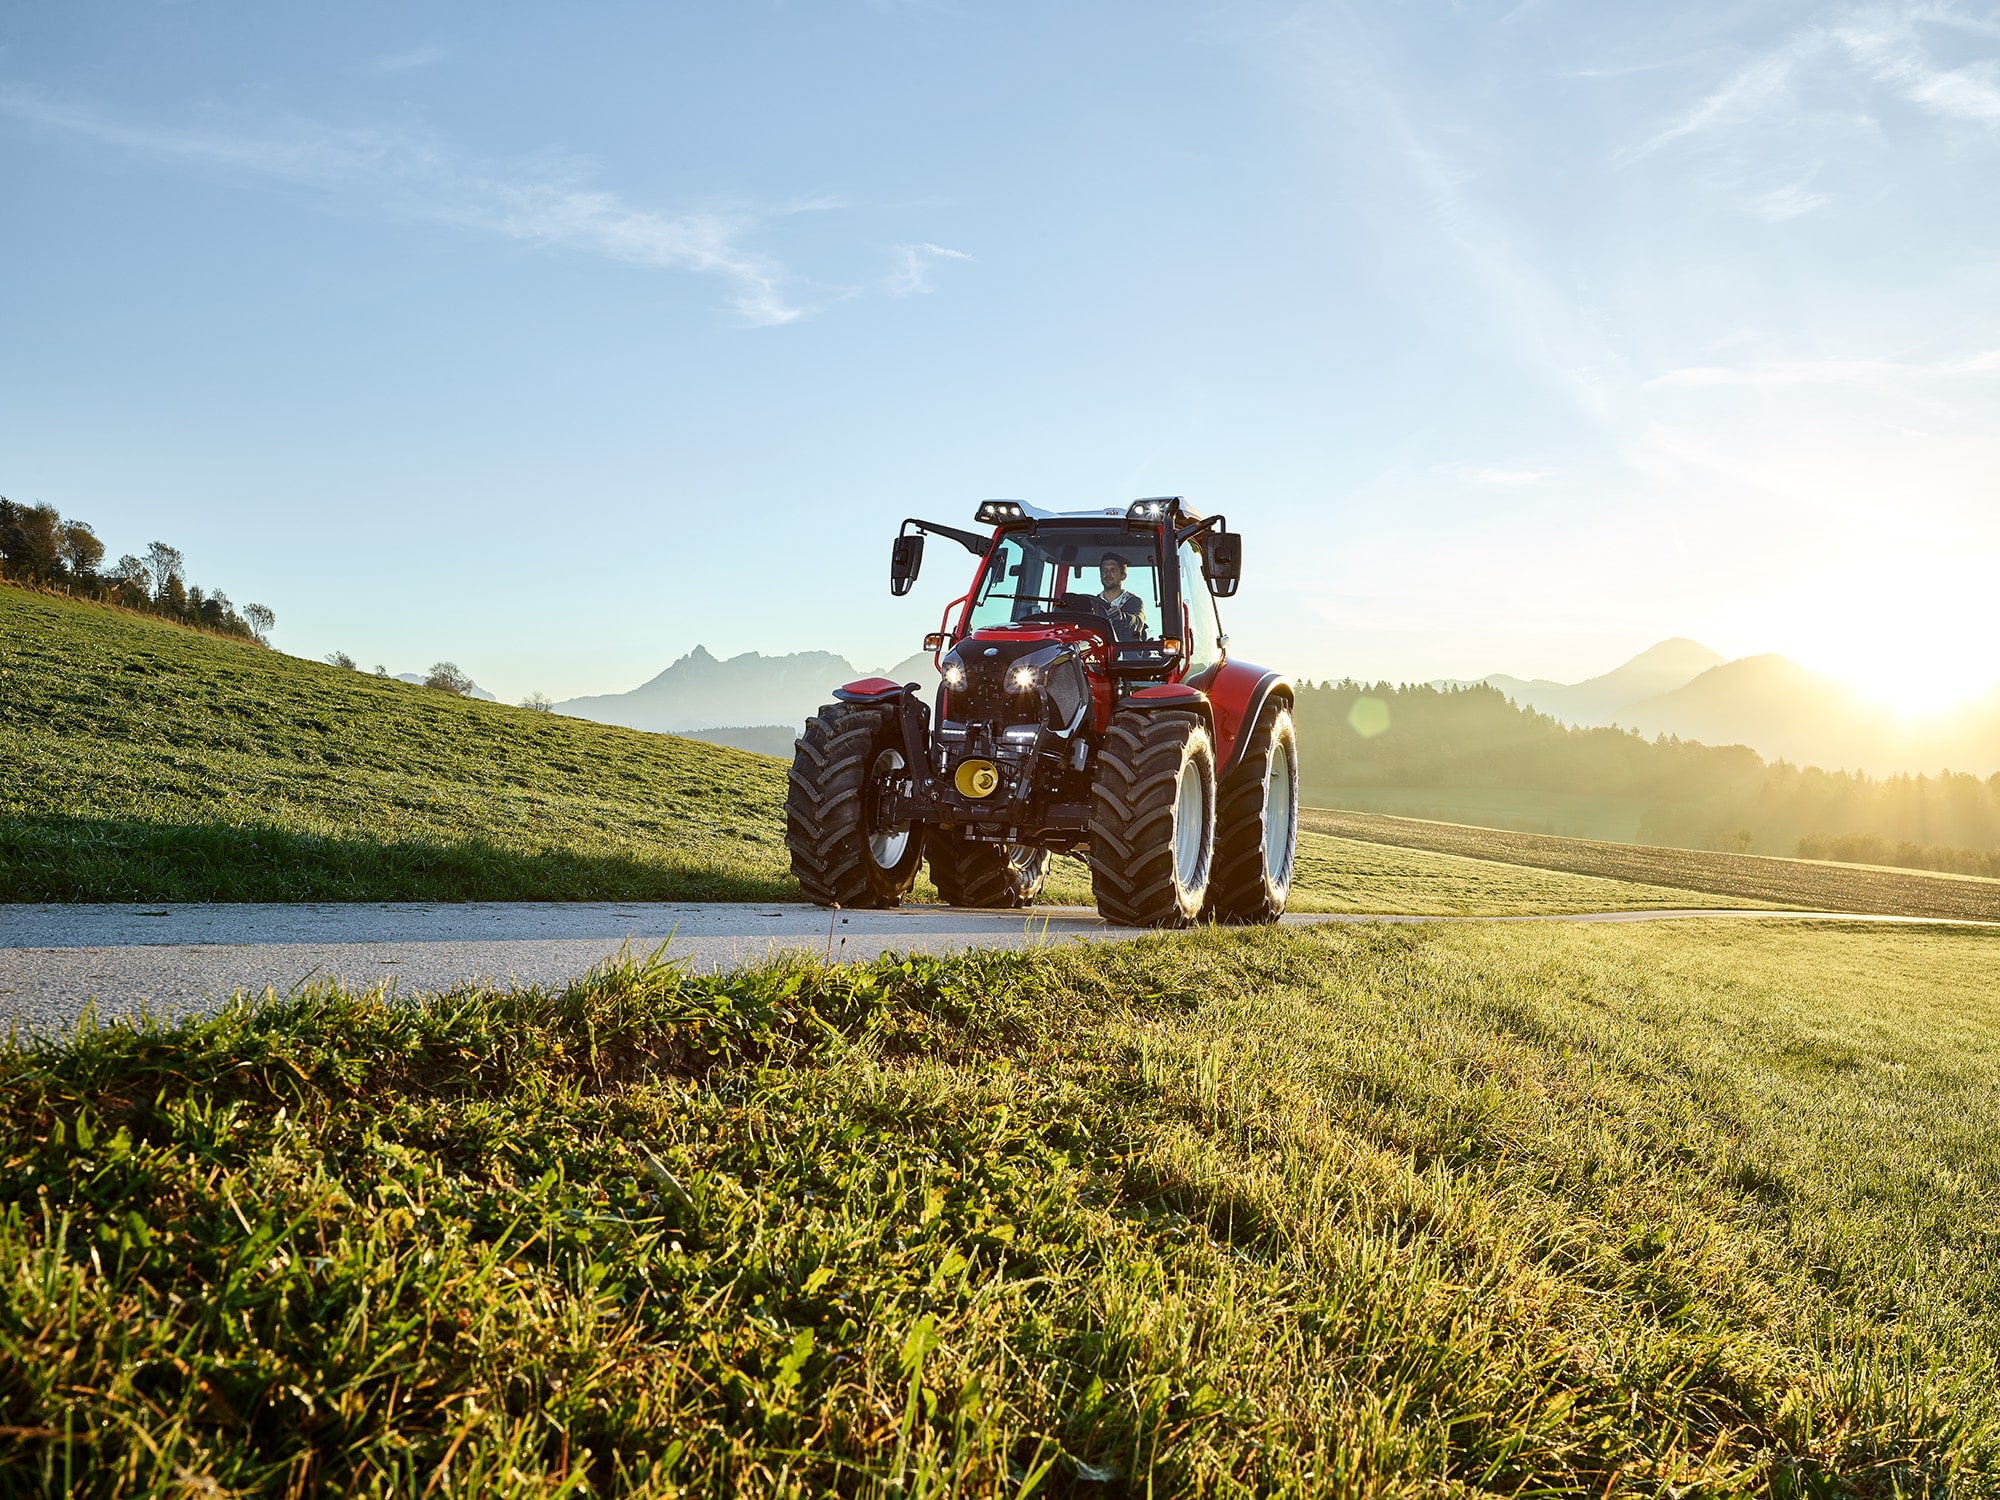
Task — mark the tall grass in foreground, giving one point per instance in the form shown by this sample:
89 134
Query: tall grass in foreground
1327 1211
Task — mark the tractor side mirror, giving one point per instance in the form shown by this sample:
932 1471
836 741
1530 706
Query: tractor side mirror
906 557
1222 561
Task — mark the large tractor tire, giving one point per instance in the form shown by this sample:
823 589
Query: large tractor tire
1257 823
841 853
974 874
1152 819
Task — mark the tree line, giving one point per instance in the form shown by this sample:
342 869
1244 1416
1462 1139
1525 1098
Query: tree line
1354 734
41 548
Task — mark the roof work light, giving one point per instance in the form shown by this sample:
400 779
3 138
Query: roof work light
997 512
1153 511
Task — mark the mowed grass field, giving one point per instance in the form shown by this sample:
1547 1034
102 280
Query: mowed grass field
1397 1211
144 762
1568 814
1755 878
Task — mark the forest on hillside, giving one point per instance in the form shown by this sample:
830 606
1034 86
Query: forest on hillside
43 549
1356 735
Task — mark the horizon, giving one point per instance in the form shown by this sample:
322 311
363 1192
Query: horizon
1513 340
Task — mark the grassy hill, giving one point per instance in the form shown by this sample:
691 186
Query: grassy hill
1387 1212
143 761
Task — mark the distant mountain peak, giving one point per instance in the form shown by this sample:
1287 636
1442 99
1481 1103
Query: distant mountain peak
1659 669
700 692
1678 651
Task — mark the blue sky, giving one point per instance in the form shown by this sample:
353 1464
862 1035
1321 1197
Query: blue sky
1514 337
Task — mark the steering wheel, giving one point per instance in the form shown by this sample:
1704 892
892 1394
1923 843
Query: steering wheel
1083 604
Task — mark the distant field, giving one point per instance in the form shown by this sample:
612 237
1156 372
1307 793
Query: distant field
1806 884
774 740
140 761
1614 819
1386 1212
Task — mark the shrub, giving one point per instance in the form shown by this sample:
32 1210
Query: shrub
447 678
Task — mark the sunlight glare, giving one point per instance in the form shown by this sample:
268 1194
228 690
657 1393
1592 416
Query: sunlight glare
1915 635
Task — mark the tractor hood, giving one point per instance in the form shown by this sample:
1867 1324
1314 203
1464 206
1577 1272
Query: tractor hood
1020 676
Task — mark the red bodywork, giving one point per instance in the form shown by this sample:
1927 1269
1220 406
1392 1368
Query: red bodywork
1228 694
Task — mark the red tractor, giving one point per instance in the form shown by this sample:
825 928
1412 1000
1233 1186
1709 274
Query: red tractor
1088 705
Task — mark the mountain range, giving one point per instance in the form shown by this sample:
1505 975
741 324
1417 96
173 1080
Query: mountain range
1678 687
700 692
1775 706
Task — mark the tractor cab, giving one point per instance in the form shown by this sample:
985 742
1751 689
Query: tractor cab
1086 649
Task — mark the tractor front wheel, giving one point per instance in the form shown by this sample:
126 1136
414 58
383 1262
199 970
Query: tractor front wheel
1152 819
843 852
1257 824
974 874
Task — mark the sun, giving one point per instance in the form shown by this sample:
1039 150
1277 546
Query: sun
1911 629
1914 666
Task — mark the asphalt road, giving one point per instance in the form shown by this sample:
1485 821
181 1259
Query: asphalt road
175 960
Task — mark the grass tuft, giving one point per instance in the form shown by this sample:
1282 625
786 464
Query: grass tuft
1365 1211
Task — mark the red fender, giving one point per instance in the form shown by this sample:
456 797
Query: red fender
869 690
1237 693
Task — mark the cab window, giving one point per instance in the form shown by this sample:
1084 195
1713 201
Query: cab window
1203 636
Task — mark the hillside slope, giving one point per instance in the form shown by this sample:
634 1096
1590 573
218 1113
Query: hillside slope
143 761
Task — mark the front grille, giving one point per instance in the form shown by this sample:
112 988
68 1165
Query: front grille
1067 690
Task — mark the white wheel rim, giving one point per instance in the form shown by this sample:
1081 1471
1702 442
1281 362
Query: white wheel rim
1281 815
1191 828
888 847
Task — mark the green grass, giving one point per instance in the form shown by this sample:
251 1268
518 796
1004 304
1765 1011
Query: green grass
1754 878
144 762
140 761
1571 814
1357 1211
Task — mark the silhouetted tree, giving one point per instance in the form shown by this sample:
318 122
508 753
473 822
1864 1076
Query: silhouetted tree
169 570
30 541
81 550
335 658
262 620
446 678
539 702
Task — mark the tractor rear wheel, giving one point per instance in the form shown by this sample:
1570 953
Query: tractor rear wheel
968 873
1257 823
842 852
1152 819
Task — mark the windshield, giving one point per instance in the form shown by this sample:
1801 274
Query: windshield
1105 573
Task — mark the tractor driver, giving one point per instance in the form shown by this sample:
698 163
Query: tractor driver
1128 615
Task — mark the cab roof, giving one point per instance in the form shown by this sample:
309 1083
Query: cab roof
1100 513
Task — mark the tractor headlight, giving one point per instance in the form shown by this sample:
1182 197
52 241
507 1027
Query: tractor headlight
954 674
1022 679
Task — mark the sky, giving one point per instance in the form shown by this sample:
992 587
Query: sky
1513 337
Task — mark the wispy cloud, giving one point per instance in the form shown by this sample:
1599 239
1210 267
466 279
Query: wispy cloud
404 62
913 265
1886 45
401 172
1884 42
1828 372
1787 202
1748 93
